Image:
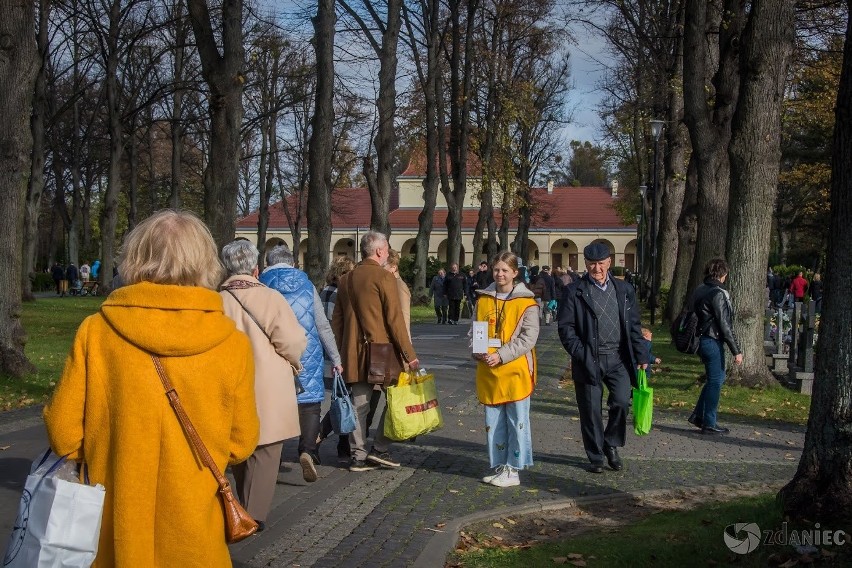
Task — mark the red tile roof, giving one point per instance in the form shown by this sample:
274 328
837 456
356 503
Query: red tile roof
417 163
567 208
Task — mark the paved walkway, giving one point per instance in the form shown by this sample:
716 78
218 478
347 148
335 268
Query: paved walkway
390 517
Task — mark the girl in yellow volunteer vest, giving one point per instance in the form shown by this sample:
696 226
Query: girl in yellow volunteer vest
506 375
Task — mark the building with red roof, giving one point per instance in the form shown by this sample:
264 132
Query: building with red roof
564 221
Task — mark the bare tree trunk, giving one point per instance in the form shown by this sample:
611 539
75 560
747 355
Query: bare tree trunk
224 78
35 188
687 228
677 144
177 126
708 116
133 182
430 83
109 212
321 144
19 65
755 155
822 487
461 80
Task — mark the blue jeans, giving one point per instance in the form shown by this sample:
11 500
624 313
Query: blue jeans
712 352
507 427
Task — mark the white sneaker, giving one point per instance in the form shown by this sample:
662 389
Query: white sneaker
497 472
507 478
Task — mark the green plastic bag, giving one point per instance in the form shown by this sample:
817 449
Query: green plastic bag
643 404
412 407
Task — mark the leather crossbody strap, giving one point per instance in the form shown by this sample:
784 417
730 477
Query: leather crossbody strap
191 432
251 315
352 299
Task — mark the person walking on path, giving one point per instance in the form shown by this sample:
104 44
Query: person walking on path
506 375
373 315
454 288
299 291
110 409
85 271
57 272
816 292
341 265
277 344
600 329
439 296
712 304
483 277
798 287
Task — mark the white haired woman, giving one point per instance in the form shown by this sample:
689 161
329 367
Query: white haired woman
110 409
277 341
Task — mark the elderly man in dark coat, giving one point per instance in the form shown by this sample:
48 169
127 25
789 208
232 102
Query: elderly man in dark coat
600 329
368 310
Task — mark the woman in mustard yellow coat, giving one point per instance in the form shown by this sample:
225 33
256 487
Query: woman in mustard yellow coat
109 409
506 375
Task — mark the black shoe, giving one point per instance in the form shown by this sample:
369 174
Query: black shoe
383 459
612 458
595 468
360 465
261 526
714 430
695 420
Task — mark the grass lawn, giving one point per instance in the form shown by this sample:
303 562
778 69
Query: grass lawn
51 323
677 386
679 538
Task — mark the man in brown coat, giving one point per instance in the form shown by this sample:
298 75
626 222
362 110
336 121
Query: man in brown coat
375 314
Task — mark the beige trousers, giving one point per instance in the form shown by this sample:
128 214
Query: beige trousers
256 477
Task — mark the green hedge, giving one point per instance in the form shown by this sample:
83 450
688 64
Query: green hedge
42 282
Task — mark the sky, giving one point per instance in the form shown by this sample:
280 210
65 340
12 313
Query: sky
588 60
588 57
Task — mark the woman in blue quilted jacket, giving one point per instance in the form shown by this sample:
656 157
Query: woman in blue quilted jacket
303 298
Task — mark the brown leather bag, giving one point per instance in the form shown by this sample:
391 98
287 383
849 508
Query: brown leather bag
238 523
384 366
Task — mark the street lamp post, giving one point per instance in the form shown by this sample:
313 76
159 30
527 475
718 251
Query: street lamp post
656 130
638 267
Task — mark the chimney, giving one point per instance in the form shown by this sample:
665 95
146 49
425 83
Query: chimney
614 186
550 186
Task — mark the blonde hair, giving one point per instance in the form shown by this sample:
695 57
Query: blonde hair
393 257
170 247
340 266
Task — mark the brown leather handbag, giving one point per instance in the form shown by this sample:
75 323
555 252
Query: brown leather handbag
238 523
383 365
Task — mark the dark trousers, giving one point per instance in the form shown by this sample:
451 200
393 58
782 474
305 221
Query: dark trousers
309 422
455 309
441 313
326 429
589 401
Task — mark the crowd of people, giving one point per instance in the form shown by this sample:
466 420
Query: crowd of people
250 353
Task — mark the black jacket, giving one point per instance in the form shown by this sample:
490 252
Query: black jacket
712 304
454 285
578 329
548 283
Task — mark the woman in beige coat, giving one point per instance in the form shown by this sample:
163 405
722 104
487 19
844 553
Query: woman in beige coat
277 341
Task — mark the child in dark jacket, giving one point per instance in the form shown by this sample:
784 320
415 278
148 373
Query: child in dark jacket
647 336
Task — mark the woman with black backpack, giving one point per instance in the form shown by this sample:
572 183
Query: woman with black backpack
712 305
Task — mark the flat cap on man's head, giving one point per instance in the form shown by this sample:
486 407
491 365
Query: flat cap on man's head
596 252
